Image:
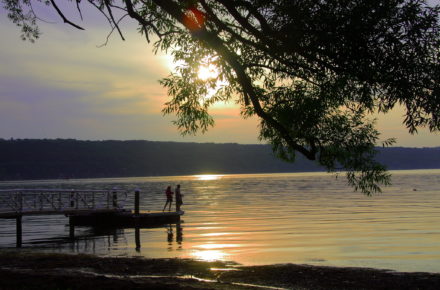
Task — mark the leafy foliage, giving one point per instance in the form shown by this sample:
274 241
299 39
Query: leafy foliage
311 70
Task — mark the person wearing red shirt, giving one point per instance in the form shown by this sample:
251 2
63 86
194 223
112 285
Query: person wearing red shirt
169 195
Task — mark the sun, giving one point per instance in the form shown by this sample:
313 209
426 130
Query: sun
207 72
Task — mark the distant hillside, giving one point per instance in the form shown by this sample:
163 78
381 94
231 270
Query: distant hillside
66 158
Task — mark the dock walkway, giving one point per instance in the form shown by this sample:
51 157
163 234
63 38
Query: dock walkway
21 202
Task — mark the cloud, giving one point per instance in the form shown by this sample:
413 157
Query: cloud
64 86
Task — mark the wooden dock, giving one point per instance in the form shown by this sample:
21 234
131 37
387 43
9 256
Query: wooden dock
124 219
96 208
20 202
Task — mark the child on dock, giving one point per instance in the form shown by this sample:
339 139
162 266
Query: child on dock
169 195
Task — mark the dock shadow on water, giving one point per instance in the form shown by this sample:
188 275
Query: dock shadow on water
105 240
91 239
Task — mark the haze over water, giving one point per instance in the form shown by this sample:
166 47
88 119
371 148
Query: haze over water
303 218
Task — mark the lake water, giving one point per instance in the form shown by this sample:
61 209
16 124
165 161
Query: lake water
303 218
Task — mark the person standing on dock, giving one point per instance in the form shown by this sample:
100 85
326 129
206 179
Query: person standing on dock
169 195
179 196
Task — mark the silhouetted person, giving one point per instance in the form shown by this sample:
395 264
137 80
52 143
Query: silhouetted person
179 196
169 195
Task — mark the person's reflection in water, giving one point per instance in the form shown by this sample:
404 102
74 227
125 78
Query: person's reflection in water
170 236
179 234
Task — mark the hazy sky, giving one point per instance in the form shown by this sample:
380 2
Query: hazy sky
64 86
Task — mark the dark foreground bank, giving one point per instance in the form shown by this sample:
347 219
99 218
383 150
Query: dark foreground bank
21 270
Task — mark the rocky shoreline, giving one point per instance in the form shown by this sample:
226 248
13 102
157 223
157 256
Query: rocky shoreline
29 270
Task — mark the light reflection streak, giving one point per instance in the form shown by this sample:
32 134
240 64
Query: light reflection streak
208 176
208 228
218 246
217 234
209 255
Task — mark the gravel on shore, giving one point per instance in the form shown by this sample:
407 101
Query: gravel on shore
30 270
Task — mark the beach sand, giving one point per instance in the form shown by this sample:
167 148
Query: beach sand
29 270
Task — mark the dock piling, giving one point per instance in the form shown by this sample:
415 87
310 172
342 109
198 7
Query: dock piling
19 231
137 238
136 216
136 202
72 199
115 199
71 228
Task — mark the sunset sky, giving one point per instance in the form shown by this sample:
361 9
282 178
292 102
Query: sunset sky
64 86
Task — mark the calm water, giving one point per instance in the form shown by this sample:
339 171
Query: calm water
306 218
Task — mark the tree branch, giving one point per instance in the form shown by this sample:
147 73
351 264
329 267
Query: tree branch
116 24
64 17
133 14
113 29
242 21
79 9
217 44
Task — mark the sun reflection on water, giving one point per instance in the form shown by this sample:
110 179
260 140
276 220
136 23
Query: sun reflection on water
212 251
209 255
208 176
217 234
218 246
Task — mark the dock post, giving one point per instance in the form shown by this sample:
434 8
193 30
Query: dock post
137 238
136 220
72 198
71 228
19 231
137 234
76 200
115 199
136 202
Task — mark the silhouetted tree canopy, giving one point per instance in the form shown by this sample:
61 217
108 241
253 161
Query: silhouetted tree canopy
311 70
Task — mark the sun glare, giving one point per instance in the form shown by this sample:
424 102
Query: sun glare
207 72
209 255
208 176
218 246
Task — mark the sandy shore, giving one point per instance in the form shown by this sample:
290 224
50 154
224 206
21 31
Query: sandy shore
25 270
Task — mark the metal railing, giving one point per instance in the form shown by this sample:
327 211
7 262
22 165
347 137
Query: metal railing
52 201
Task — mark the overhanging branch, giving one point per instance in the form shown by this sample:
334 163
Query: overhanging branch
216 43
60 13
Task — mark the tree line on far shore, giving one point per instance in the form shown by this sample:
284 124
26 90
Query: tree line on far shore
68 158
